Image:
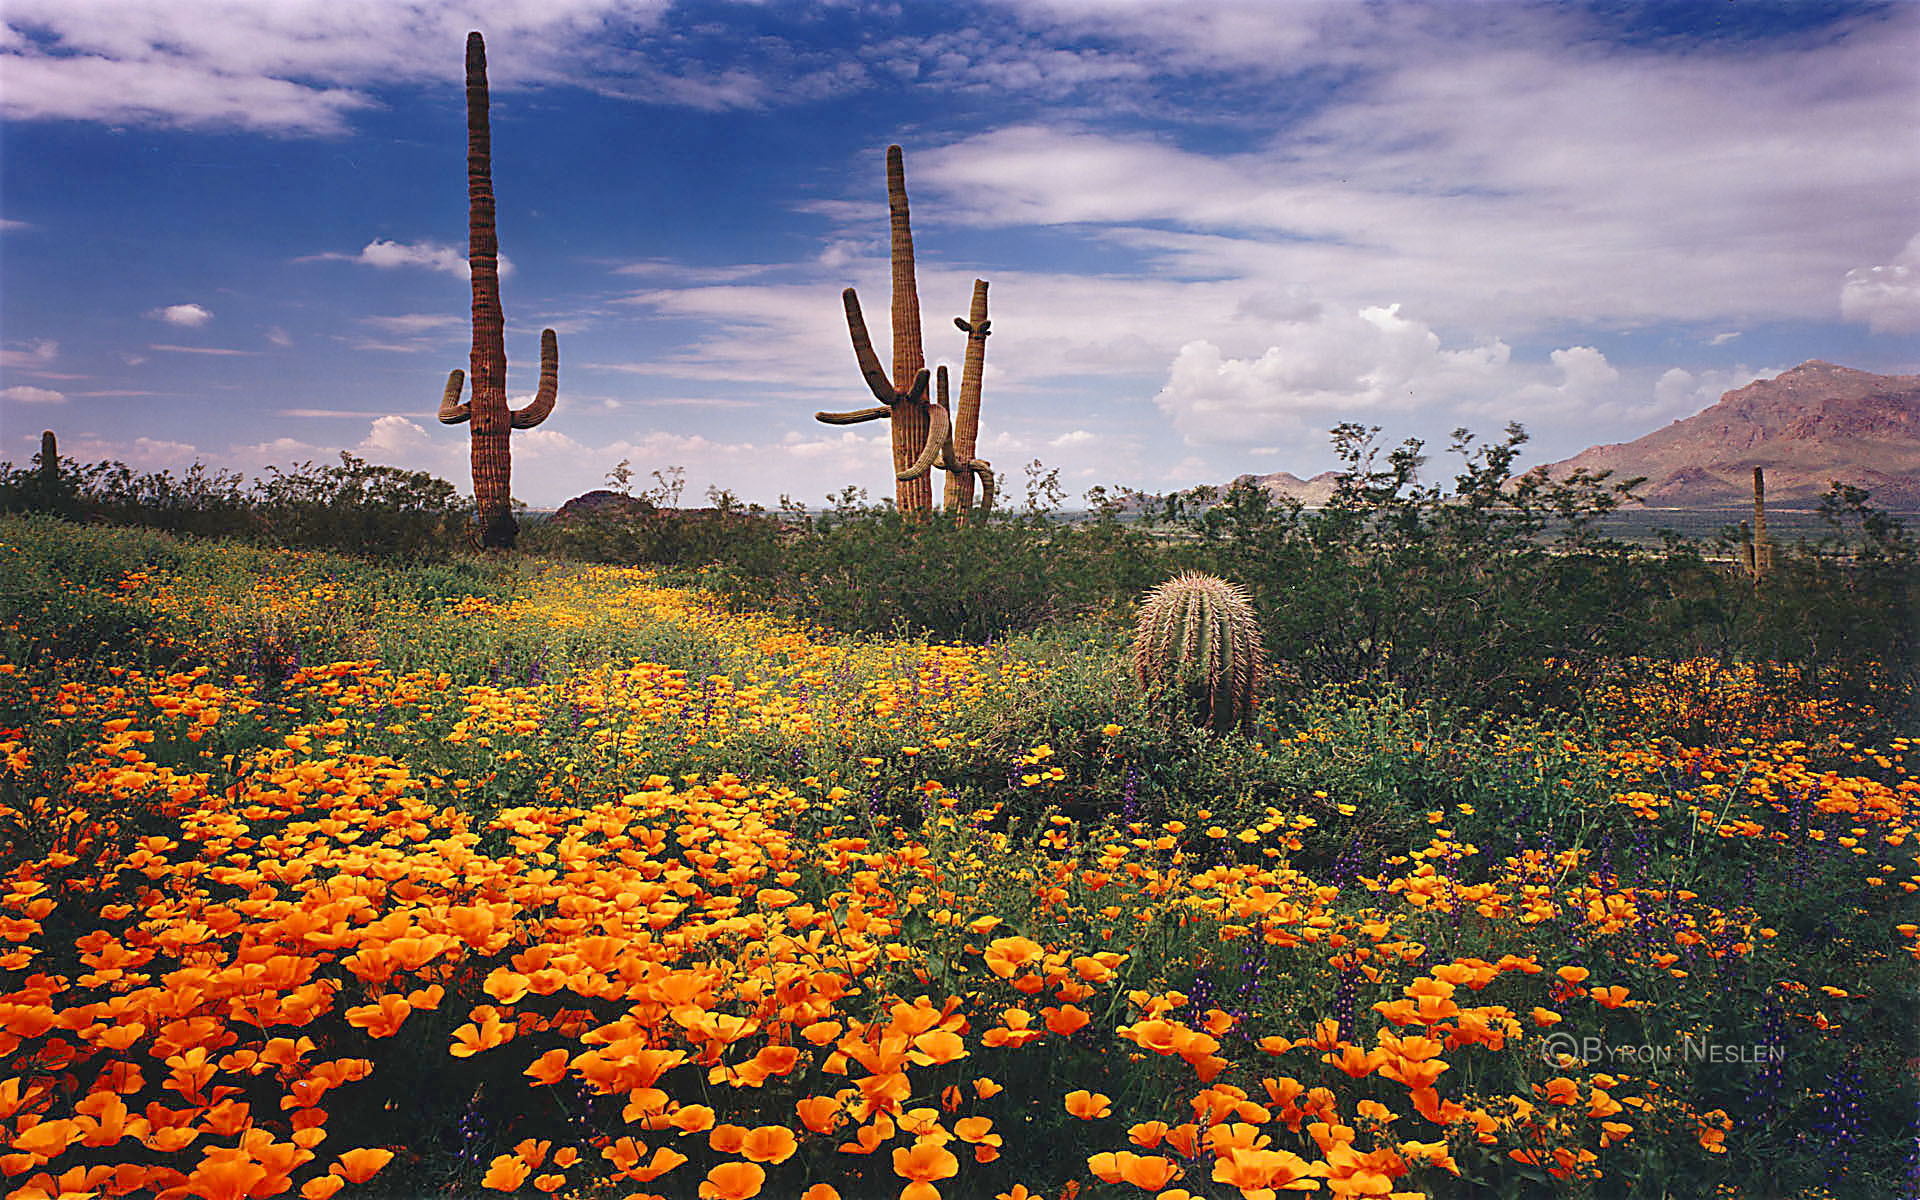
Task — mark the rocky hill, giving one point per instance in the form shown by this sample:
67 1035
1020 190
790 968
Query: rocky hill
1808 427
1311 492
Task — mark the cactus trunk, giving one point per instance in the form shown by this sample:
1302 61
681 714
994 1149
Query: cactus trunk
1762 552
492 421
910 421
492 457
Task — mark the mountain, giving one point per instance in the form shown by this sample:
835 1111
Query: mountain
1281 484
1808 427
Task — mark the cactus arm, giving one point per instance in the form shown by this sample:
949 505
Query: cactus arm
855 417
966 417
984 470
948 462
939 436
541 405
917 393
452 411
870 369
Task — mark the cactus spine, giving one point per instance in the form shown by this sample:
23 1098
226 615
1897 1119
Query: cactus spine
1197 645
491 420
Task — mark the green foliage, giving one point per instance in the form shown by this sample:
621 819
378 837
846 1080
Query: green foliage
354 507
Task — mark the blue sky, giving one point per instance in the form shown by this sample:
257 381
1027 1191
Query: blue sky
235 232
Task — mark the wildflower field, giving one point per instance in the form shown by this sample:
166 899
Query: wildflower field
506 877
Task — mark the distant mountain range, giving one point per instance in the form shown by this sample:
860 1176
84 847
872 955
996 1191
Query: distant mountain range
1807 427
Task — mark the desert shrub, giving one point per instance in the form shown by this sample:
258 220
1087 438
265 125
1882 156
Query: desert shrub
354 507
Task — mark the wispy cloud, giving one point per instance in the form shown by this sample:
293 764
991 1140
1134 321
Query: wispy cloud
36 357
217 351
1886 298
415 322
297 67
435 256
27 394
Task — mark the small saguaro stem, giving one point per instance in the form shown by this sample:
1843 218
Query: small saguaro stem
966 418
489 417
49 464
1761 553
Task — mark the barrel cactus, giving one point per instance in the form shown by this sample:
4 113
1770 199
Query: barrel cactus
1197 645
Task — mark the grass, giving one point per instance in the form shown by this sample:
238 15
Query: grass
331 876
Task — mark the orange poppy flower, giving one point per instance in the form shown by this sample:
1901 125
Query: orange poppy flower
733 1181
1065 1020
769 1144
1152 1172
665 1158
923 1163
1007 955
1089 1106
820 1113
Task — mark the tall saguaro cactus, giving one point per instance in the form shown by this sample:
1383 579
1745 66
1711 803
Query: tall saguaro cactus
924 435
490 418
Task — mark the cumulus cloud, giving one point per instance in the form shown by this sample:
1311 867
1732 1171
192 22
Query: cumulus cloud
1885 298
1338 364
190 316
26 394
1681 393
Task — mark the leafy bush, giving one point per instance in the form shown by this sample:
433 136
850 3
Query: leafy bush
355 507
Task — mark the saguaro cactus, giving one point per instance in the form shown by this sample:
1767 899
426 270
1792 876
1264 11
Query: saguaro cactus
49 464
1197 644
903 396
488 413
1760 554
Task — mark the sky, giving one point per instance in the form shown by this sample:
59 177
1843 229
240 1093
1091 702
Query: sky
234 231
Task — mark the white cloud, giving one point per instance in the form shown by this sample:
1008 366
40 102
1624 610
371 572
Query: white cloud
190 316
215 351
288 67
38 354
1339 364
9 225
1680 393
416 322
1721 339
1501 188
1886 298
279 336
25 394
